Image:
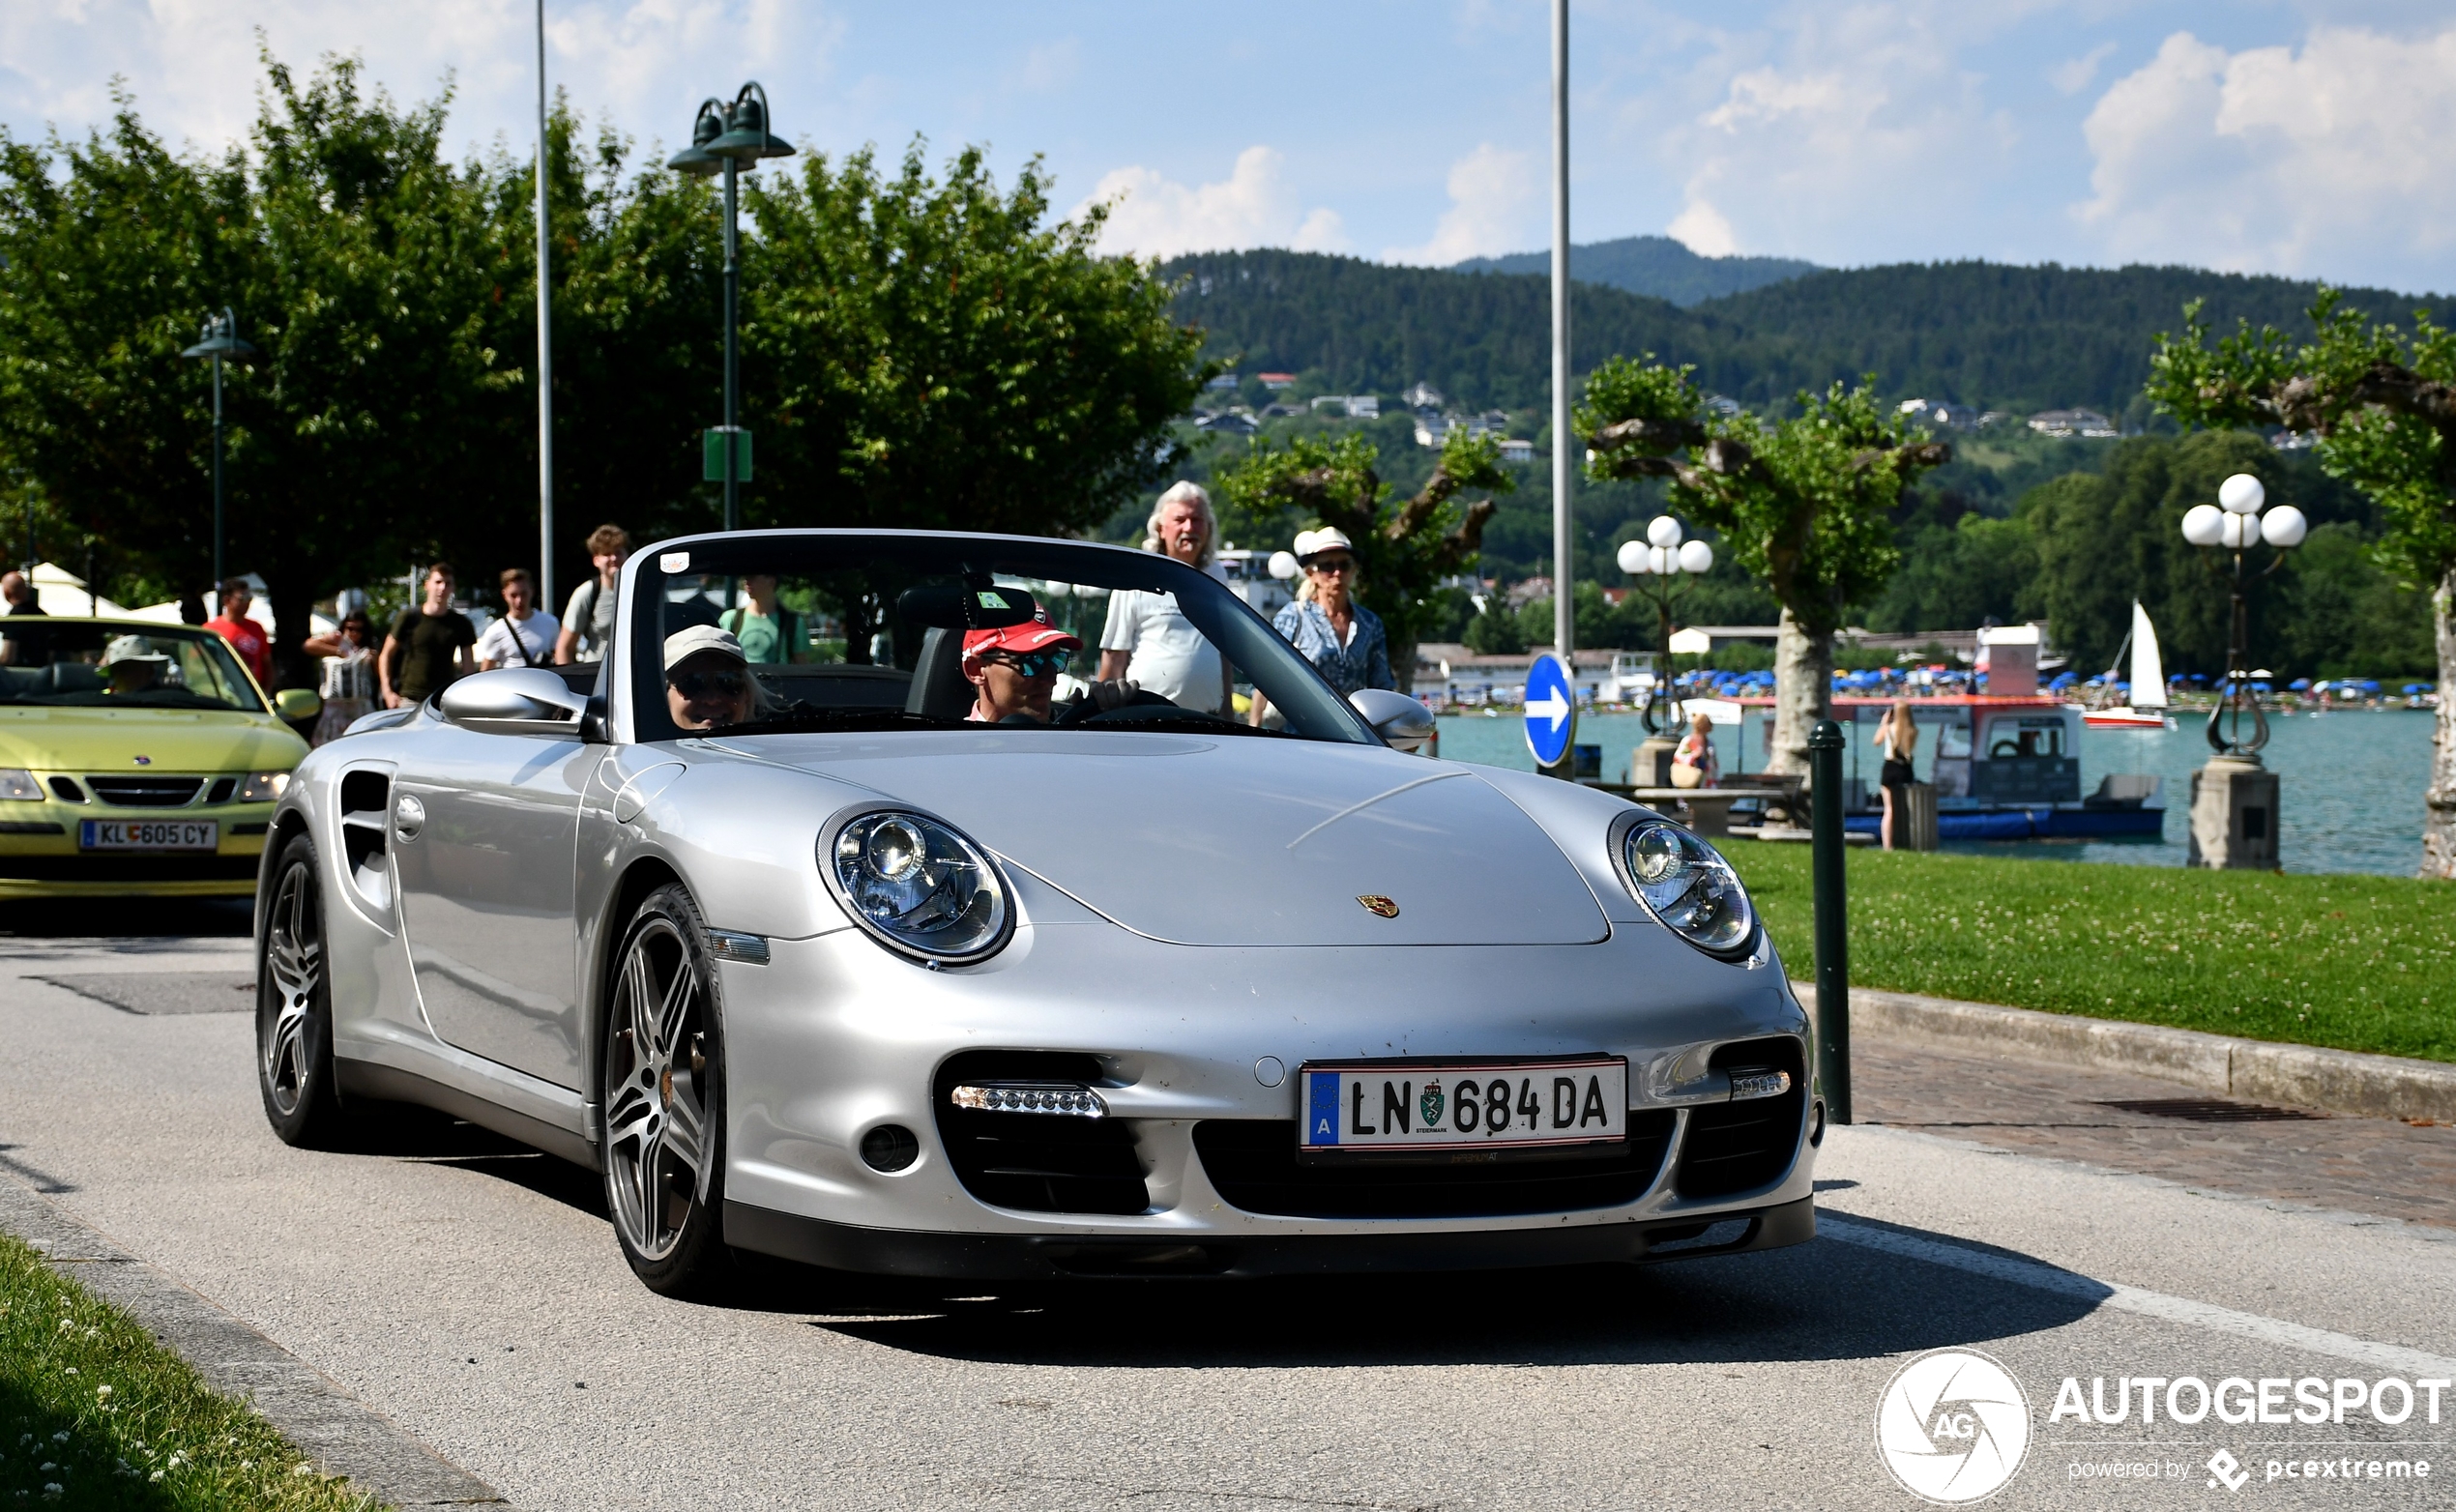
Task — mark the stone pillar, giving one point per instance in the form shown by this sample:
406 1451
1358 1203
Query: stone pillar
1651 763
2234 815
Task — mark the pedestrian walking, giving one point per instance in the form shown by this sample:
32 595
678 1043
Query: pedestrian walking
526 634
1898 734
588 619
770 634
348 681
1147 640
429 646
230 622
1342 638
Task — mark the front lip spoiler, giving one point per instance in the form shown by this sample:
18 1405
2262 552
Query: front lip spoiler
1014 1257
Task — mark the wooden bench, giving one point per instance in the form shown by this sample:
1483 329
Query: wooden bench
1708 809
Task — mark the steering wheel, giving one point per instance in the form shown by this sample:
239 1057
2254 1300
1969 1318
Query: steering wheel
2003 748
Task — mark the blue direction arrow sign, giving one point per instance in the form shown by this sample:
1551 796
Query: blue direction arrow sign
1552 711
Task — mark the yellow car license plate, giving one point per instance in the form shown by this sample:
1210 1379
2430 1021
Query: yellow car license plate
148 834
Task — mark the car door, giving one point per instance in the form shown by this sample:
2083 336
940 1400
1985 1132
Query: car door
486 827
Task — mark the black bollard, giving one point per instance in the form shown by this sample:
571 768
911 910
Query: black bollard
1832 924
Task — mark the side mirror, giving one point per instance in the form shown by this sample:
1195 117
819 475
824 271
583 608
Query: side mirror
1402 723
515 701
294 704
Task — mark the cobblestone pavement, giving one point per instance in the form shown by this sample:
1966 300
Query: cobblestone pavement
2375 1166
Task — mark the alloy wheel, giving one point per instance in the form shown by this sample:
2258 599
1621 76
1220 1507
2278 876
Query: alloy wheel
656 1089
294 960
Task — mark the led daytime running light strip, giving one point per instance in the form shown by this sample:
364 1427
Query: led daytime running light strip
1747 1084
1064 1099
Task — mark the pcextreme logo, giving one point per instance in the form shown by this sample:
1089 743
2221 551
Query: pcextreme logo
1952 1426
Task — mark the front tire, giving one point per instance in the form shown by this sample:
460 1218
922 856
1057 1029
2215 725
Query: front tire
663 1096
294 1005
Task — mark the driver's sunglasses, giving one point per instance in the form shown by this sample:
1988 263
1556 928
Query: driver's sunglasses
1031 668
1332 567
723 685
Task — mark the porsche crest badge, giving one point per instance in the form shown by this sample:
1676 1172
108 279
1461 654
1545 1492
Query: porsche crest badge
1379 904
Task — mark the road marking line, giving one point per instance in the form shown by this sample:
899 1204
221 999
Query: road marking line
2136 1299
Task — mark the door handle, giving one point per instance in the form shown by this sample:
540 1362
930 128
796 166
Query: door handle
409 816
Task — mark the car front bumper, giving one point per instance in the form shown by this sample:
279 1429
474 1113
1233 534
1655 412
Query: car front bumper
40 857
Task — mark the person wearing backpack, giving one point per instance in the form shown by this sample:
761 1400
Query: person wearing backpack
770 634
588 619
525 635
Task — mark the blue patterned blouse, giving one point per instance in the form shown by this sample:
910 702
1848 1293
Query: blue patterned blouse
1364 661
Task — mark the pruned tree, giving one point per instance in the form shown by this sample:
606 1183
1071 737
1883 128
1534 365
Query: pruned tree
1805 506
1404 547
2384 408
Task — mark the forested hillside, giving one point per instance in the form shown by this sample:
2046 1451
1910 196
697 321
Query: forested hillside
1978 334
1655 266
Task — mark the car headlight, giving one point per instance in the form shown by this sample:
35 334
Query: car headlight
1687 886
263 787
918 885
19 784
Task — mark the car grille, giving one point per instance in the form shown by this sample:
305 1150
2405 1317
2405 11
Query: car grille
1738 1147
1031 1161
145 792
1252 1163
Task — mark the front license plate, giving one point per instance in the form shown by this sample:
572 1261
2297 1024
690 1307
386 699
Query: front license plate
1441 1107
148 834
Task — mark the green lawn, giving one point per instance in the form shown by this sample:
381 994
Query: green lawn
2353 963
94 1414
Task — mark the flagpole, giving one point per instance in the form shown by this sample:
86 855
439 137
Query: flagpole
545 355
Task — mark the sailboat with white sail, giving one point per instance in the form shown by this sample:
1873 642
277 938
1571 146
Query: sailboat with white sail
2146 709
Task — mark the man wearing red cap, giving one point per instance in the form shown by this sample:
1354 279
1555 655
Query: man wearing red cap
1015 669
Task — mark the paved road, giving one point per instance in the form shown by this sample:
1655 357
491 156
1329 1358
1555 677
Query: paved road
472 1292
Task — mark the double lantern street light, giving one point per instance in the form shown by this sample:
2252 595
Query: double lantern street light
2231 526
1658 561
731 139
218 339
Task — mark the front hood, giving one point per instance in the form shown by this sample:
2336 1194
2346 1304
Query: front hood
110 740
1236 841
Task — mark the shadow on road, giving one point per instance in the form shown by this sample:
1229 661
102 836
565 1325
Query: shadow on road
131 924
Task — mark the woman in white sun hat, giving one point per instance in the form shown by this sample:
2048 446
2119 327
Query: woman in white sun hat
1342 638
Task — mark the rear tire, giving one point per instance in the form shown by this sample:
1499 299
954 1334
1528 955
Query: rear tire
663 1086
294 1004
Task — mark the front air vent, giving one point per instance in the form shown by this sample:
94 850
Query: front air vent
1034 1161
222 788
365 804
1739 1146
1252 1163
146 792
66 790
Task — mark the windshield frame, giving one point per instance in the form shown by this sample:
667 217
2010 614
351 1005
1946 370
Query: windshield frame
245 696
1315 710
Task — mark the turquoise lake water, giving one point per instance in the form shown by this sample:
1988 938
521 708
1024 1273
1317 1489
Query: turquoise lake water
2350 782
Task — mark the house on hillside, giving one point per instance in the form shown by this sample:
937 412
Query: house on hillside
1513 450
1223 383
1722 406
1354 406
1423 396
1274 382
1939 413
1235 423
2072 423
1431 430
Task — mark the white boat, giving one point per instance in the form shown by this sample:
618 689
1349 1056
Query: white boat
2147 710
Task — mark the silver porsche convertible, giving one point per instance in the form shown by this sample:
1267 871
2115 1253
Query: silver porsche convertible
876 937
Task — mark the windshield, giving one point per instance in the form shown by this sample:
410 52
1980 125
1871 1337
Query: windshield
792 631
100 665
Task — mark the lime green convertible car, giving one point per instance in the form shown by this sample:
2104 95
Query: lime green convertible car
134 758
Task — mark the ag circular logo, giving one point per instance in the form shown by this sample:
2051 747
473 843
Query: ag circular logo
1952 1426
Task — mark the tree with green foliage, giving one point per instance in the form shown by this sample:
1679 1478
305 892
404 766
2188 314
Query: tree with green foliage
2384 408
1805 506
1404 547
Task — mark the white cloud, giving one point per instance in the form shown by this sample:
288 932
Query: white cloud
2074 75
1489 192
1154 215
1703 229
2330 161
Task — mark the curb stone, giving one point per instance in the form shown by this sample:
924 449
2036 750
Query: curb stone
343 1435
2338 1081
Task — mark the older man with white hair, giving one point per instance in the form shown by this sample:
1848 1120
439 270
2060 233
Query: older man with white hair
1148 641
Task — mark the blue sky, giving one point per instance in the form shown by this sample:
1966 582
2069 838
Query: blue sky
2305 138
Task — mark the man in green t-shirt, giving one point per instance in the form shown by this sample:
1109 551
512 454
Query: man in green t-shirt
770 634
429 646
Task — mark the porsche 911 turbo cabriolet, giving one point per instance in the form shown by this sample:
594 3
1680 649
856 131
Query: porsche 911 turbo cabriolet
888 946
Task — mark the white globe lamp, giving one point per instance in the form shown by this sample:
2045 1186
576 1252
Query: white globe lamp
2283 526
1696 555
1664 531
1636 558
2203 524
2241 494
1283 564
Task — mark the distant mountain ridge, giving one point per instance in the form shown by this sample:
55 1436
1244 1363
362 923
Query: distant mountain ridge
1985 335
1654 266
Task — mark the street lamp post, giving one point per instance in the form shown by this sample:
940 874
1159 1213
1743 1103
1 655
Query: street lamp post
218 339
2234 797
1658 563
731 139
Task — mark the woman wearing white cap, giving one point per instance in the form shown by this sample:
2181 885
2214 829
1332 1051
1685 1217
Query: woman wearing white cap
1342 638
1148 639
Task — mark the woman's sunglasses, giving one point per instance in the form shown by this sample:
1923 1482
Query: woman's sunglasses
1031 668
694 684
1331 566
